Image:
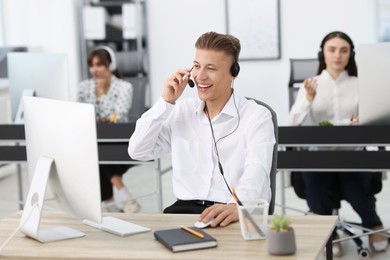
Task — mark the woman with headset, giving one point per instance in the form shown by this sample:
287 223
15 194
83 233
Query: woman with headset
112 98
331 97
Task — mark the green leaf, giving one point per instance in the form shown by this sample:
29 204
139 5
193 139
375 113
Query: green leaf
280 223
325 123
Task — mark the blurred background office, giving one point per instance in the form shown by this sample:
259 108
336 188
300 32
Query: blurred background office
170 27
165 30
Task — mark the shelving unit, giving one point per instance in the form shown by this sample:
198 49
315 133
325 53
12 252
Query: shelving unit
118 24
119 16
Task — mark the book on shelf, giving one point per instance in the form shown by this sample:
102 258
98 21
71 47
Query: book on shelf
178 239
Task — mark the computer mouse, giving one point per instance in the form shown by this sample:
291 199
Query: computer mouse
200 224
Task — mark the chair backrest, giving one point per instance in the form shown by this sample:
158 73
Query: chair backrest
274 155
300 69
133 67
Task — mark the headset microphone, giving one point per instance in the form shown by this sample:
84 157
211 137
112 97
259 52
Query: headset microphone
191 83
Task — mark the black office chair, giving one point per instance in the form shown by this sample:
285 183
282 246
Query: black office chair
132 64
274 156
300 69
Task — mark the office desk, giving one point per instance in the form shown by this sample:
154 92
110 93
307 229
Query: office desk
113 142
292 158
112 148
333 160
312 233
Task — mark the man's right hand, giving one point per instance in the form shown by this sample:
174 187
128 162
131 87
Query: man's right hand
175 85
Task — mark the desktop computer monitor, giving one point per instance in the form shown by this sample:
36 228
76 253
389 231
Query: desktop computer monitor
36 74
373 62
3 58
62 155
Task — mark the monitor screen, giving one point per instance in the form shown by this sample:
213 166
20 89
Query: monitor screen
3 58
373 62
62 156
39 74
61 144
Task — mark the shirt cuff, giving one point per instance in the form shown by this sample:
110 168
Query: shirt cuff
161 109
232 201
168 105
306 103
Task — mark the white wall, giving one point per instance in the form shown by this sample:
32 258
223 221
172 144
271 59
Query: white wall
44 26
174 26
1 24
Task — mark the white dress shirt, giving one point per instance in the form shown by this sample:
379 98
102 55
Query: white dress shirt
184 131
335 101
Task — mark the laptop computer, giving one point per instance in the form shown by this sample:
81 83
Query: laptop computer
373 62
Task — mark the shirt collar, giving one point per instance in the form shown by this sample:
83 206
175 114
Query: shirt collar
343 75
228 109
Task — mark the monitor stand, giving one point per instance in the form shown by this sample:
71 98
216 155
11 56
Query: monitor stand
32 211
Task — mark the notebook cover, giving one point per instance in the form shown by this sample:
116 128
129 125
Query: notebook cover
178 240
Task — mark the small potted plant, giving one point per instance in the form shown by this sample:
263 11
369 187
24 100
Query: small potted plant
281 236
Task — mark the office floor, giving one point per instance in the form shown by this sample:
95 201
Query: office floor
141 182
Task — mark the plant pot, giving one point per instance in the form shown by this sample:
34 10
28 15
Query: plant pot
281 243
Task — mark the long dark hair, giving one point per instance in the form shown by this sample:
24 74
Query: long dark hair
351 67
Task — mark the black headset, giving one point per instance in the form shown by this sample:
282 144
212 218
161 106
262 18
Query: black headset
235 69
344 36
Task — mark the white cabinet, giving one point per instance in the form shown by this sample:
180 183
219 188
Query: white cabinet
118 24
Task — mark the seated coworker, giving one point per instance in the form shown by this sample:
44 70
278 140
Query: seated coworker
218 127
112 98
332 96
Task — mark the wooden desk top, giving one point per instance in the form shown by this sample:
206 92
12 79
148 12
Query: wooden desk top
312 233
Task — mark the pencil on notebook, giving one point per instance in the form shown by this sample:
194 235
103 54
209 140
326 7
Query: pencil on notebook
194 232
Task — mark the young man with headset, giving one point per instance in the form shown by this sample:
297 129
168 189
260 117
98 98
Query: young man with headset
217 141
